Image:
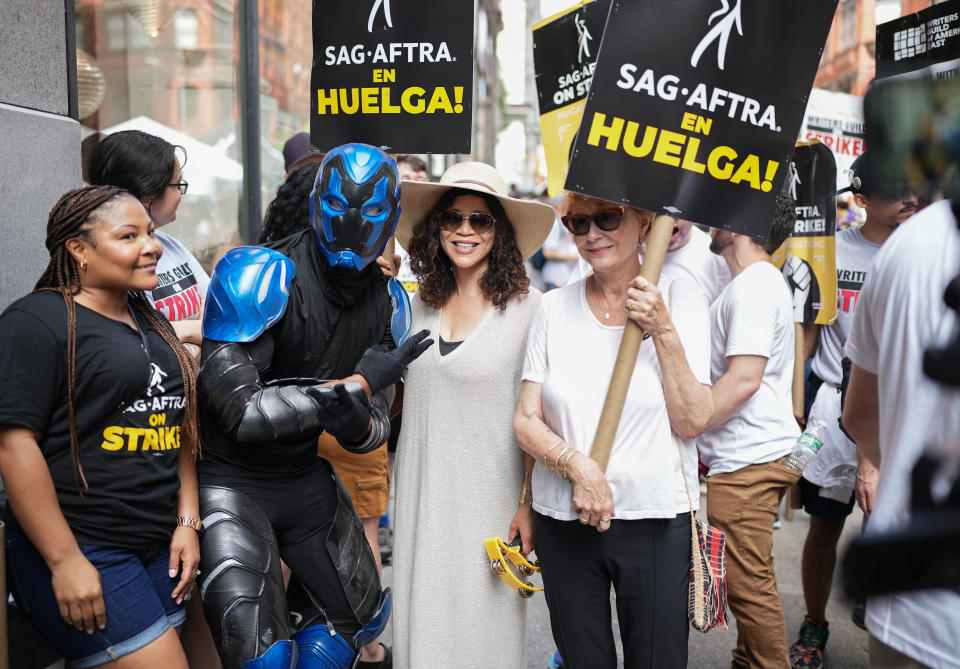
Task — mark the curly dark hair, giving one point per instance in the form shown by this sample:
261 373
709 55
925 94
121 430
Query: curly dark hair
784 218
289 212
505 276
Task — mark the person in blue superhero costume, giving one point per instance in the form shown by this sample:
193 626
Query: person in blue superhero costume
279 324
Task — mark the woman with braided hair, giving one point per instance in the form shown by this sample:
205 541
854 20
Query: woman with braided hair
98 440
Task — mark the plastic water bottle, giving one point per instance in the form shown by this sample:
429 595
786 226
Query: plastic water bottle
807 446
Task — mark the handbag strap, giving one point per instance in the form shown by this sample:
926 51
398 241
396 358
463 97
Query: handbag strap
683 470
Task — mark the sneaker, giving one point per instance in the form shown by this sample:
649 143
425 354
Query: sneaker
859 614
556 662
807 651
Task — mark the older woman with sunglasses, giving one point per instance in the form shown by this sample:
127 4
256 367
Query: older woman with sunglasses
459 473
629 526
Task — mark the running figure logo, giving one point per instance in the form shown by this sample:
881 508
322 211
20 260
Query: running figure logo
157 376
583 37
386 14
794 180
720 32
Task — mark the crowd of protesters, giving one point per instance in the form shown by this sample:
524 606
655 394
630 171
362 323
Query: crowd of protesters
109 406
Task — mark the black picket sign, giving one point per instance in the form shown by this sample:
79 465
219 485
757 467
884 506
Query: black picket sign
695 105
565 48
393 73
808 257
926 40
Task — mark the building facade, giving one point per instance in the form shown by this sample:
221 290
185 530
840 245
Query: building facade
848 61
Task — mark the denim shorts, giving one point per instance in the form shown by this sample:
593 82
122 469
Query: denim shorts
136 593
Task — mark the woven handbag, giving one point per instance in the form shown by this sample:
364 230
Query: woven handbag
707 600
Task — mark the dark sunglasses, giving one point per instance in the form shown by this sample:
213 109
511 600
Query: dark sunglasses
451 220
180 186
605 220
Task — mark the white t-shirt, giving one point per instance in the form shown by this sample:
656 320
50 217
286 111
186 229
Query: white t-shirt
855 255
694 261
900 314
572 355
836 462
753 316
557 272
182 282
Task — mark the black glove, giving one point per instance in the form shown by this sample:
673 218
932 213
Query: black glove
344 409
382 367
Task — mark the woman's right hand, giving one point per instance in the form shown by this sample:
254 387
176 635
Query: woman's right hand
76 586
592 496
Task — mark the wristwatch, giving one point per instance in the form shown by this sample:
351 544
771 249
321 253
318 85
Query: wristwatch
187 521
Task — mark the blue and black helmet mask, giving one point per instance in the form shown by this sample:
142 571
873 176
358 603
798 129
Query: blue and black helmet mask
355 205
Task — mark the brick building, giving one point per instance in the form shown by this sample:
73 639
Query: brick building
847 64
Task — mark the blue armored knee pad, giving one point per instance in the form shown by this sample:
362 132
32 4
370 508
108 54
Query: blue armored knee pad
281 655
320 649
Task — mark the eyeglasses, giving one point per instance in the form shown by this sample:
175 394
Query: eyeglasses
605 220
451 220
180 186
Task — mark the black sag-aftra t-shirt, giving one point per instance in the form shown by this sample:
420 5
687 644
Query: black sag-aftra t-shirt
129 404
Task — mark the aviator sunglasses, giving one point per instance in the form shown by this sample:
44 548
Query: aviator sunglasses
605 220
451 220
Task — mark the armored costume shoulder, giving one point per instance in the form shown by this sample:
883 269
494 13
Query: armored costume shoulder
248 292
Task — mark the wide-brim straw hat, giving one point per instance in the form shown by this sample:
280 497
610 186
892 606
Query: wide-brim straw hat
532 220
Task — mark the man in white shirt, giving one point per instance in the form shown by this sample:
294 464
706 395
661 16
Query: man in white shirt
894 412
828 481
689 257
751 431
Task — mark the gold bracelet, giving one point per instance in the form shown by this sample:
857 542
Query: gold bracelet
526 492
556 463
559 464
550 450
563 467
187 521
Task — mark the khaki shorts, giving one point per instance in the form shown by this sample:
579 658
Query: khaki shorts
365 476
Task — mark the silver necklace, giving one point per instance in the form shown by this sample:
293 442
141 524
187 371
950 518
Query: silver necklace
606 307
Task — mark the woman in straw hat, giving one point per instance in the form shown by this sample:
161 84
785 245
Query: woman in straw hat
459 472
629 526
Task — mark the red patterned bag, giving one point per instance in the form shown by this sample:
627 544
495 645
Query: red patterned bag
707 601
707 606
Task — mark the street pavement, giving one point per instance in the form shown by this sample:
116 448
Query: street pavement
846 649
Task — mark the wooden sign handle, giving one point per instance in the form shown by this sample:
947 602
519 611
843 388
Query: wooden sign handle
799 365
657 242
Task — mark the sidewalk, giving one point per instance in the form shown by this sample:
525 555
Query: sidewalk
847 647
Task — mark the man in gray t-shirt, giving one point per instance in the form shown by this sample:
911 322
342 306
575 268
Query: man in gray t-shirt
827 486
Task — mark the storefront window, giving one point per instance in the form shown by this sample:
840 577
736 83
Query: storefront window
286 55
170 69
186 28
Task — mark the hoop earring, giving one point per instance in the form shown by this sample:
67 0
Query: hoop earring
83 265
